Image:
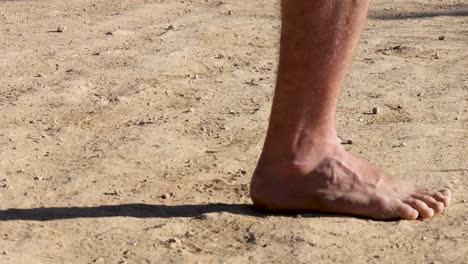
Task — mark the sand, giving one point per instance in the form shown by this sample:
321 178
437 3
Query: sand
130 136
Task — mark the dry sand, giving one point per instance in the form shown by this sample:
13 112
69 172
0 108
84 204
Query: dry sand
130 136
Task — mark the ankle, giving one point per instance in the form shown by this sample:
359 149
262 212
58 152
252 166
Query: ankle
298 160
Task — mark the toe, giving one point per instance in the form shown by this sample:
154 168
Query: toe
444 196
431 202
423 209
407 212
448 196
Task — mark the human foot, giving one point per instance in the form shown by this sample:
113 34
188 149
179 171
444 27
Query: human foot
340 183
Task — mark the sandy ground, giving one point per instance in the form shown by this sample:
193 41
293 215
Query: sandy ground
130 137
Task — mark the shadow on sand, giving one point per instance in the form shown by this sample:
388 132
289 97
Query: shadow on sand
463 11
124 210
142 211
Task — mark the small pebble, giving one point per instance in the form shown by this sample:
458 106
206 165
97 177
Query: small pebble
457 118
165 196
230 12
375 110
441 37
99 260
5 252
61 29
132 243
174 240
39 75
251 238
298 239
437 55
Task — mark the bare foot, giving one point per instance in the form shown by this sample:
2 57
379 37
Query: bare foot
338 182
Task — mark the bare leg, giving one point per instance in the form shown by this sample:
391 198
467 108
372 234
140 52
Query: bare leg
302 167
